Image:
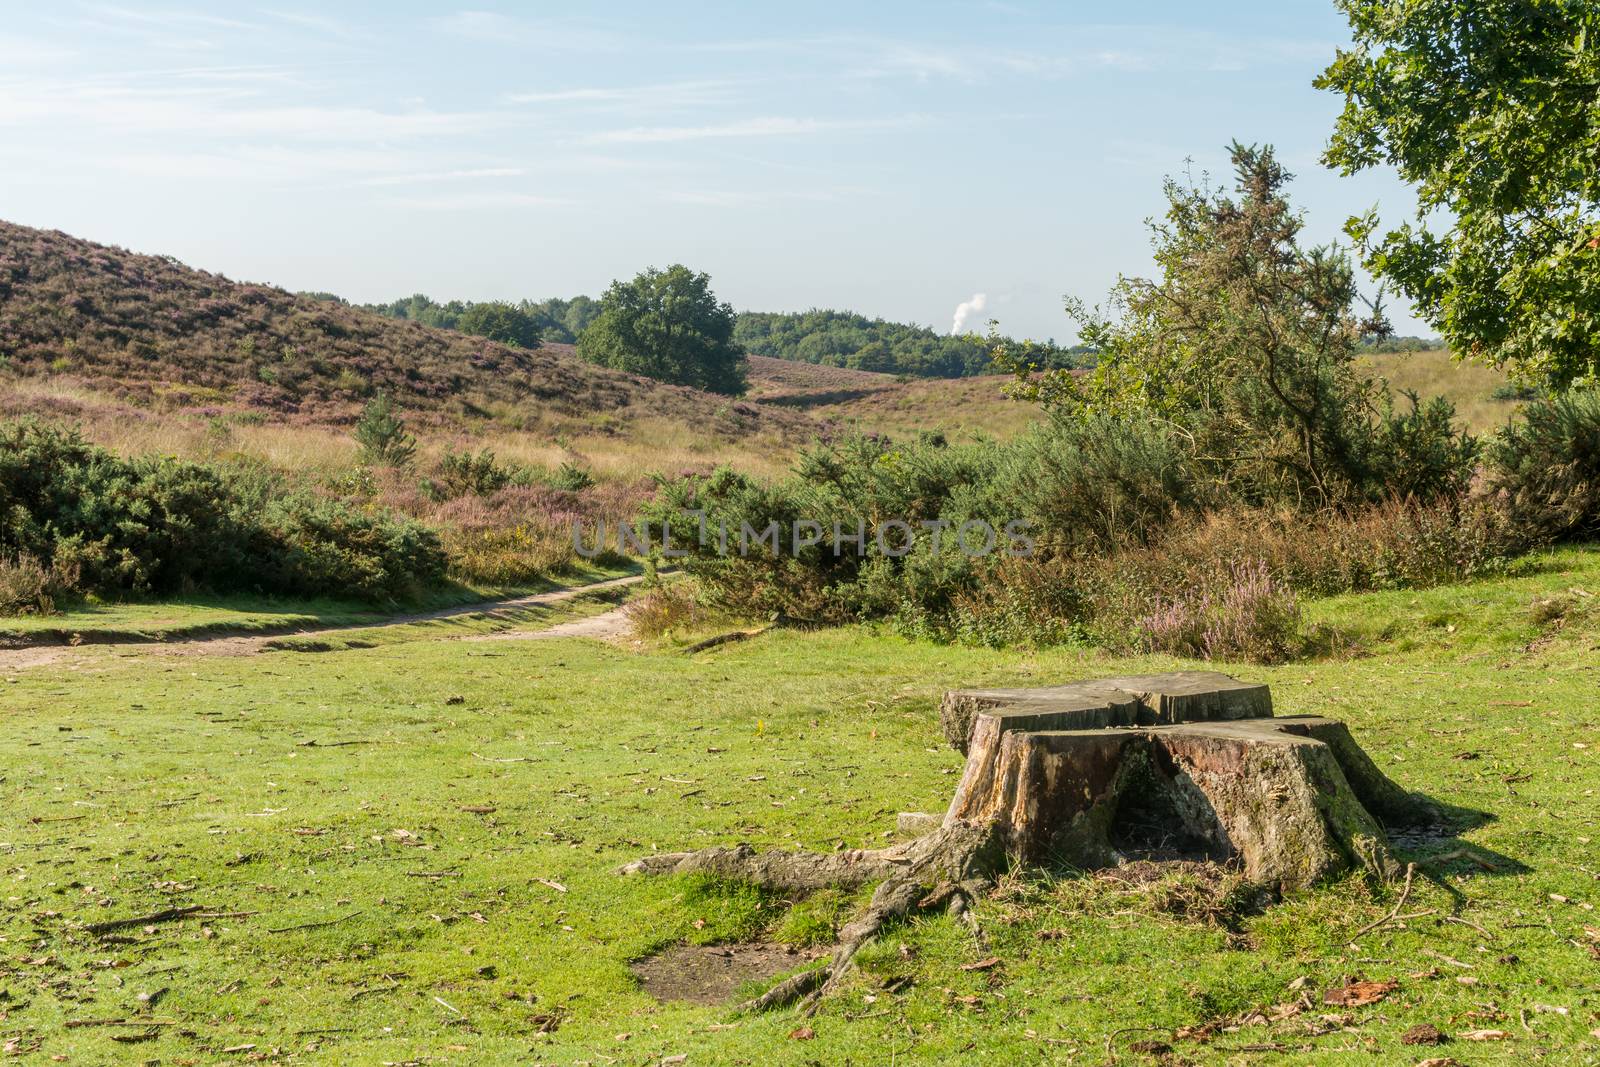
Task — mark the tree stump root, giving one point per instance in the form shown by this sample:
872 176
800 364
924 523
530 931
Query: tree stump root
1075 776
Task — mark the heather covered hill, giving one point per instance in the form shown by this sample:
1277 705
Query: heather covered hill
148 329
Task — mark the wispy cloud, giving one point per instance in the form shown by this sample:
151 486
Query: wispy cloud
126 109
259 164
170 18
26 51
474 201
636 97
328 27
745 198
491 27
774 126
445 176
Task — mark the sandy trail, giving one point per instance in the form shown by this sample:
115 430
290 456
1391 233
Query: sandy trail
608 625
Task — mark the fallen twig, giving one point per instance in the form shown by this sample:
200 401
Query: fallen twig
1411 869
166 915
312 926
1468 922
723 639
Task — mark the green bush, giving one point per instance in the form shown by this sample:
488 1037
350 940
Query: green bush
321 545
571 477
1097 480
469 473
1545 467
1419 453
381 435
159 526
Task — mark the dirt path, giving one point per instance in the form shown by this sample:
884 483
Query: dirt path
606 625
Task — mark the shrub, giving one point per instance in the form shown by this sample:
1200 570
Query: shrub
320 545
1419 452
150 525
570 477
1098 480
665 609
515 555
1027 602
475 473
1243 613
382 435
28 587
1545 467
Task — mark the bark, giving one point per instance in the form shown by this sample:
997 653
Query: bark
1069 775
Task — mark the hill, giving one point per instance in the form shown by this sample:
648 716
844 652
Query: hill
888 403
148 330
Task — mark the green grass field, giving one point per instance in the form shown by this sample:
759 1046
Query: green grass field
404 853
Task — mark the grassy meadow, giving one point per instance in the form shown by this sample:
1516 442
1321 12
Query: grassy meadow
402 850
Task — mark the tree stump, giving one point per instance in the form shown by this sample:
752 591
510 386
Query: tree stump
1078 775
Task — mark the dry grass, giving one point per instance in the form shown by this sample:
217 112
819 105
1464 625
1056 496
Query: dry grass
885 403
1469 386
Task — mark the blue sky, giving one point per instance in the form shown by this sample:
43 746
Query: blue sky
893 158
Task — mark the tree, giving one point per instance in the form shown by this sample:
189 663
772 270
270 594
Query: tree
667 325
501 322
1245 346
382 435
1492 109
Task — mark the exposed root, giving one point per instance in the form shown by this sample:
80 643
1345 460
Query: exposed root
953 863
1197 756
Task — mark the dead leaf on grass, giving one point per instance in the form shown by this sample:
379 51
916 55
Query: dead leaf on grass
1423 1034
1359 994
1485 1035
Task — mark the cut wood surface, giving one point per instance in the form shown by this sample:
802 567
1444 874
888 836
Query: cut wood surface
1086 775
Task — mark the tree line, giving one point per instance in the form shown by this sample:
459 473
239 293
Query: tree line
822 336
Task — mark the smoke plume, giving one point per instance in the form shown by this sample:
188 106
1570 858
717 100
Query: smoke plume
966 309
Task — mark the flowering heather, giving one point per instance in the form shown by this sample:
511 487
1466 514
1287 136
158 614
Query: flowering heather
1248 615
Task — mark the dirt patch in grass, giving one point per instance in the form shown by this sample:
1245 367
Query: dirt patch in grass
712 974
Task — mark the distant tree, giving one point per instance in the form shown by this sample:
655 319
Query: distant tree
382 435
667 325
498 321
1490 108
